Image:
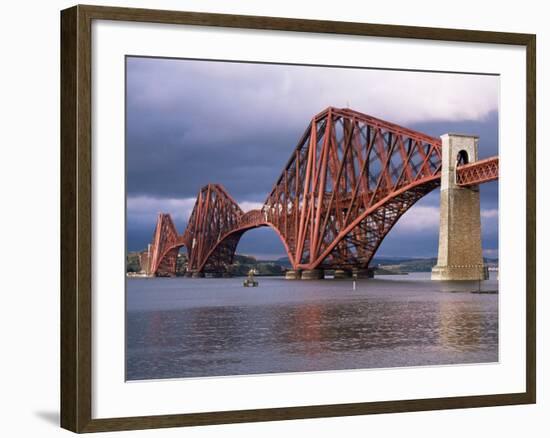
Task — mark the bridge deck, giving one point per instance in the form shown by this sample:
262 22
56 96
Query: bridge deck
481 171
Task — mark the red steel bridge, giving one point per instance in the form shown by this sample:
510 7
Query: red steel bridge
348 181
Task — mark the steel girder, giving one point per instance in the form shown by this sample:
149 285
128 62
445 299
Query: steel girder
214 215
338 195
163 251
478 172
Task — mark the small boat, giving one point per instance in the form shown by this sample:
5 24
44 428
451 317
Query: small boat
250 281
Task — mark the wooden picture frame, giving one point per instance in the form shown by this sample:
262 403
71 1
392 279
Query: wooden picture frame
76 218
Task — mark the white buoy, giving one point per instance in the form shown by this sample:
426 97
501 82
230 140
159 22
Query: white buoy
354 285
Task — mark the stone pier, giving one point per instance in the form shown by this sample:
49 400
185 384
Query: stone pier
145 261
342 274
460 256
313 274
293 274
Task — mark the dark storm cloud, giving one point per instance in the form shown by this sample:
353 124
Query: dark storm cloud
190 123
193 129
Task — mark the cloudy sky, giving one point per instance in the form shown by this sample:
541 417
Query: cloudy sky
193 122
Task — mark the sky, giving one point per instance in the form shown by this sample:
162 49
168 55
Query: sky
193 122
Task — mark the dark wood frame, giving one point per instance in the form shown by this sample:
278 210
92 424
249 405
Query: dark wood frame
76 174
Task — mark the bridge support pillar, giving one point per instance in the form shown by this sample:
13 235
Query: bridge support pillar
363 273
313 274
293 274
460 256
145 261
341 274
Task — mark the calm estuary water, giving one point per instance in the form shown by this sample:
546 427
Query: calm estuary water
183 327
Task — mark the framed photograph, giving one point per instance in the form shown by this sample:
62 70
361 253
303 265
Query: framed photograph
268 218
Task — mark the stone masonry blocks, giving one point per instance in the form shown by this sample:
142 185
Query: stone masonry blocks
460 256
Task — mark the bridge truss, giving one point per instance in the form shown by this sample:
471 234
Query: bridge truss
349 180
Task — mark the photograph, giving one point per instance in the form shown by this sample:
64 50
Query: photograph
292 218
257 219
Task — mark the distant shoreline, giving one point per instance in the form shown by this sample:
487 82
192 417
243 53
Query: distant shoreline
274 268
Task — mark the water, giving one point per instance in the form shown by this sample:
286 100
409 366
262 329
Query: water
184 327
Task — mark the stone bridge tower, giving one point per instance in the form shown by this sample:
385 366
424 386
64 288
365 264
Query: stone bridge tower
460 256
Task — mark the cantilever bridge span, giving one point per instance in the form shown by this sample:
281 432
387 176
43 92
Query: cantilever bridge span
348 181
